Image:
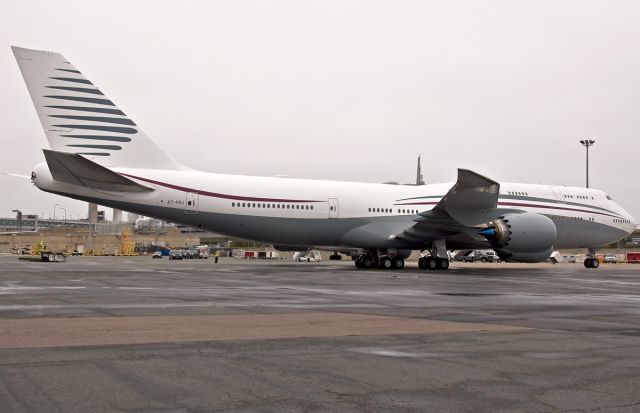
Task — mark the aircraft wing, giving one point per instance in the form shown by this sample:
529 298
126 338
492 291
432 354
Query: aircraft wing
472 201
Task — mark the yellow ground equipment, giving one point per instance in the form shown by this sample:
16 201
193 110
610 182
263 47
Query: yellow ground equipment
127 247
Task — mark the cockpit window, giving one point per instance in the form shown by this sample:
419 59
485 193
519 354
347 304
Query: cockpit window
609 198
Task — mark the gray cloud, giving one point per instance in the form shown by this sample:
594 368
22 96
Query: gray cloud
347 90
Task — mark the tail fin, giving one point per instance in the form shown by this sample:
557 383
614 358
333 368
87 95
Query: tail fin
78 118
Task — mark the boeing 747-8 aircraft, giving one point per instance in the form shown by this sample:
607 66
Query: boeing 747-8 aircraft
98 154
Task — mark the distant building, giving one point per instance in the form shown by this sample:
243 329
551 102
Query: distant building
419 177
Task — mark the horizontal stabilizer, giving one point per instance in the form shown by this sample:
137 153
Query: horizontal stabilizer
75 169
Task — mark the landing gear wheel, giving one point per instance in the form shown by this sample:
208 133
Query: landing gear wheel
366 262
591 263
398 263
443 264
358 261
422 263
432 263
385 263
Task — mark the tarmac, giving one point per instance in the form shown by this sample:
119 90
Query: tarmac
136 334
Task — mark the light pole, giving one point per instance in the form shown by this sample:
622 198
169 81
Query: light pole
54 210
65 213
587 143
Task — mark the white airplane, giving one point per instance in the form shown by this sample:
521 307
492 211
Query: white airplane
98 154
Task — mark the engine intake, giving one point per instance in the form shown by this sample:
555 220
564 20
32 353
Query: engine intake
525 237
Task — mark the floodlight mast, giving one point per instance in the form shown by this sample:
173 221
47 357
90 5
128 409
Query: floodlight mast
587 143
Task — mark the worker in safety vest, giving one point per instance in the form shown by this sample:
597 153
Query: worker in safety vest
216 255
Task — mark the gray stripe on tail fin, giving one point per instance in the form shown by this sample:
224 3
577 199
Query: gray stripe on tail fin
89 109
120 121
96 127
69 70
108 147
100 137
77 89
81 99
72 79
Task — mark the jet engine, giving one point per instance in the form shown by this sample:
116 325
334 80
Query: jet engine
525 237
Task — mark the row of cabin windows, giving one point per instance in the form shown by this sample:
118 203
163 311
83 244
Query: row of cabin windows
577 196
273 206
621 221
573 218
390 210
564 195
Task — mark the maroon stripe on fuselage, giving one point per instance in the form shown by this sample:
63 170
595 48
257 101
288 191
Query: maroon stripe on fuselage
520 204
217 195
418 203
555 207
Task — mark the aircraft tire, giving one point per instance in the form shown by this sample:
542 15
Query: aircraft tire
358 262
595 263
422 263
587 262
398 263
366 262
386 263
432 263
443 264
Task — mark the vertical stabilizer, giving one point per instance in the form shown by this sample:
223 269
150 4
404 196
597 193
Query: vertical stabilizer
77 117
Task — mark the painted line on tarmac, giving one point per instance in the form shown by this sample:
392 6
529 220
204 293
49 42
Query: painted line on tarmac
101 331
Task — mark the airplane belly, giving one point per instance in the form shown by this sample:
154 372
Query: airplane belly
577 233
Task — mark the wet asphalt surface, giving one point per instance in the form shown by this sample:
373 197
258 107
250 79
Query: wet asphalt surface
580 350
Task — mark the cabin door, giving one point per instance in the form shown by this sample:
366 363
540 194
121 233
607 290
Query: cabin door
333 208
558 194
191 203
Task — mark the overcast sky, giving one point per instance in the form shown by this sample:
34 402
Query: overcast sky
346 90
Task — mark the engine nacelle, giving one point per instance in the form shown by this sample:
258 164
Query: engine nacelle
526 237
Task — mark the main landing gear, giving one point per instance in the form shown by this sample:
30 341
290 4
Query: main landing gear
391 260
372 260
438 260
433 263
591 261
